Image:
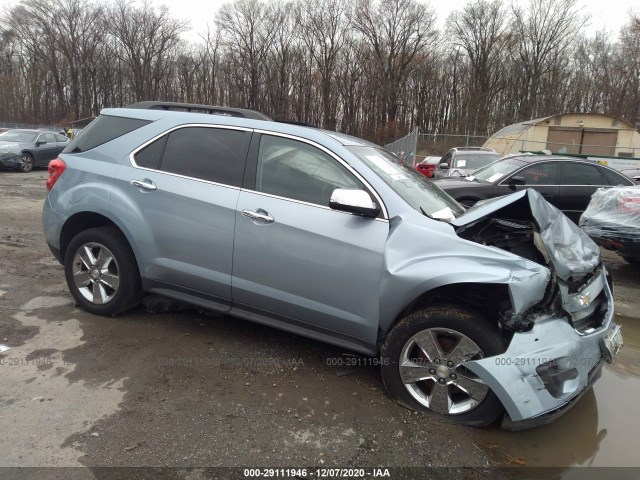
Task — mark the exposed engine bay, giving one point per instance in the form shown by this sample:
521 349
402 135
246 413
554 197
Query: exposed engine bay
531 228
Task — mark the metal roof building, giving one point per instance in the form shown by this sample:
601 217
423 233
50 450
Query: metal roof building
592 134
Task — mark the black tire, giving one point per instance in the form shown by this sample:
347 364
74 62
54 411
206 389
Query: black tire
27 163
122 266
443 320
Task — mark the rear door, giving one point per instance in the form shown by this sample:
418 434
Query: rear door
578 181
296 261
185 185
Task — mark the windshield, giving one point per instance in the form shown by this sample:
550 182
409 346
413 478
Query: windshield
18 136
473 161
412 186
497 170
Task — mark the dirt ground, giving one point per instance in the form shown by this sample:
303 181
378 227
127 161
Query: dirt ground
185 389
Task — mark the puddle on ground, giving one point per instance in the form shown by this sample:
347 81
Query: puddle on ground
599 431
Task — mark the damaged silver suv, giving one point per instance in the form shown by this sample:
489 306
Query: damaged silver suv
500 312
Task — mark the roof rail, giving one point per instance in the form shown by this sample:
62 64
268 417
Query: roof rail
196 108
477 149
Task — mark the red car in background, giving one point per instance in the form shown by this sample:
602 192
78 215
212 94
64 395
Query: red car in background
427 167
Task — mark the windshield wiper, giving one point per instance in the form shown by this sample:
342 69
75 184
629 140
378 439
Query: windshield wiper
426 214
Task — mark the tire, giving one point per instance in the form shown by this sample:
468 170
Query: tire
102 272
27 163
449 390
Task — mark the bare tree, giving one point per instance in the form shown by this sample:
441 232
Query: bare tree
396 31
480 31
247 33
543 33
145 37
323 27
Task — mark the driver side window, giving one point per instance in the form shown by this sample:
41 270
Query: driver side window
292 169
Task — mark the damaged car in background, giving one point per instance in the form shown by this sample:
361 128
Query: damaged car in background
326 236
612 220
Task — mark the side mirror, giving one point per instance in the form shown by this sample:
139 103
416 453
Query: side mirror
41 142
353 201
443 166
513 181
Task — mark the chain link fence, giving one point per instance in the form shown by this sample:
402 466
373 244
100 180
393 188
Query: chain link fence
414 147
30 126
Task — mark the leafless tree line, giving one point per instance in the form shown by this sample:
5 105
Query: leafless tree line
372 68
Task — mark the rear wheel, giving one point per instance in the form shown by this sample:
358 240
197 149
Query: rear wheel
422 367
26 162
102 272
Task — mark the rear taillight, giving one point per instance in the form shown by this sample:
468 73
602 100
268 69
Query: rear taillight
56 168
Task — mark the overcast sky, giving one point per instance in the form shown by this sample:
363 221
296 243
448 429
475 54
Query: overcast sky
605 14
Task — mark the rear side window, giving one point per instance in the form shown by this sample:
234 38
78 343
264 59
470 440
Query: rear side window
616 178
581 174
212 154
102 130
149 156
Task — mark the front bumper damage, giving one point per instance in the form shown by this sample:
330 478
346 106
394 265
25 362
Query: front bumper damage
563 341
543 370
10 160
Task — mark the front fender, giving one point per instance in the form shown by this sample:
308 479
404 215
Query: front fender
422 256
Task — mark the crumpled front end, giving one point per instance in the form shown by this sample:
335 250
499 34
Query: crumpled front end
10 160
544 368
560 332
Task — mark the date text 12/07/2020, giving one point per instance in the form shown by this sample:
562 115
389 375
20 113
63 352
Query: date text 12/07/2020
324 472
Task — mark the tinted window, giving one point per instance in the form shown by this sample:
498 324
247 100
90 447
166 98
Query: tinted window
293 169
615 178
213 154
581 174
149 156
540 174
102 130
60 138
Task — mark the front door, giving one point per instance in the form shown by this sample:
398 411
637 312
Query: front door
298 261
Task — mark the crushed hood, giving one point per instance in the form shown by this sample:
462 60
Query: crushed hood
568 249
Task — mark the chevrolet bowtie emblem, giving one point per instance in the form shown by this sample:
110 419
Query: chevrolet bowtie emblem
585 299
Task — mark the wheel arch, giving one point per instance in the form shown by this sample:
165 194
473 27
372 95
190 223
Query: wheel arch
487 298
81 221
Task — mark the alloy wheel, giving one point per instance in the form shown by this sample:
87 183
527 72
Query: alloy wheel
432 372
95 273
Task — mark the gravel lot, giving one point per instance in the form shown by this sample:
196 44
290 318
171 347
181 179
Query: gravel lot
185 389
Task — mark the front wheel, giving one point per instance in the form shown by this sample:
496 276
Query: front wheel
422 367
26 162
102 272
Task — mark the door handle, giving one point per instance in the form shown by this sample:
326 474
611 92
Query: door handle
261 215
144 184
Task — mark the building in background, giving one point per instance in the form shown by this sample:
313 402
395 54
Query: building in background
584 134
